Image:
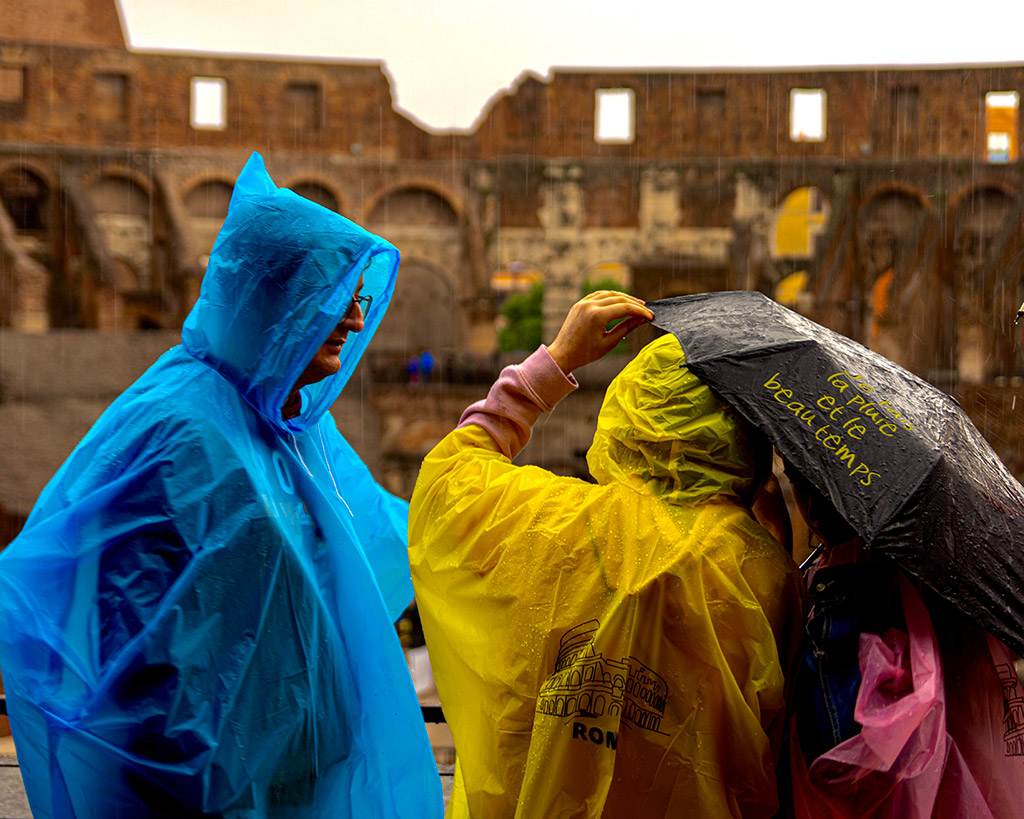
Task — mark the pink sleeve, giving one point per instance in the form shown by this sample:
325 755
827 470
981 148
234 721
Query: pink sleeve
515 401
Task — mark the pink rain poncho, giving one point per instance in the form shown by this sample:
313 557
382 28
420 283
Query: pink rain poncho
942 731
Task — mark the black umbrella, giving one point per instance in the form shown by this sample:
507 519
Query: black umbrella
898 457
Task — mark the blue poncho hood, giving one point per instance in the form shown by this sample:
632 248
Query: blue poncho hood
281 275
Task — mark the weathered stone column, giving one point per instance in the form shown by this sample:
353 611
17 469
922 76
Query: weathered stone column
26 282
561 215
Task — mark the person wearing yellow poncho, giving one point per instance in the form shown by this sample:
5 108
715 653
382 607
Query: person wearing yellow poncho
608 650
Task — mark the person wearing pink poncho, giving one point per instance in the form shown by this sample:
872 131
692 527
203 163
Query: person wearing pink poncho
904 709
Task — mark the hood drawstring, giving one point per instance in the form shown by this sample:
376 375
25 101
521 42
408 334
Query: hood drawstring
327 463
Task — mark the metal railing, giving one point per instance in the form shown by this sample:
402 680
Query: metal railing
431 713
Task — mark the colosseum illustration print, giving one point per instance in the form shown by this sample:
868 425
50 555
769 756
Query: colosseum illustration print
587 684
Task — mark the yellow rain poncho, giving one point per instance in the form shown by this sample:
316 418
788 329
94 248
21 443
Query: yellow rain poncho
609 650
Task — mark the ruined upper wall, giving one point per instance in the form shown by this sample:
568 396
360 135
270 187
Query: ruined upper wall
906 113
110 97
66 78
62 22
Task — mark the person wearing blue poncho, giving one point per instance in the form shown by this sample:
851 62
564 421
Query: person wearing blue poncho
197 617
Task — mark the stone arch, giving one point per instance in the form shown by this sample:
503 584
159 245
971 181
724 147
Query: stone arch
118 189
27 196
35 168
135 233
123 208
414 204
793 177
968 192
30 230
423 314
799 218
977 217
319 191
206 204
208 199
896 278
889 221
979 225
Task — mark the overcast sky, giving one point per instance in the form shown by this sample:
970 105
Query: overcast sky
446 58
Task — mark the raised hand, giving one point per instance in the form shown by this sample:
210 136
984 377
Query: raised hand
583 337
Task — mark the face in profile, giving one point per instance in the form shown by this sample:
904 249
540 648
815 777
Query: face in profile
327 360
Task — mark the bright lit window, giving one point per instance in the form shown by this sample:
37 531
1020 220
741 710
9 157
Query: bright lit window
614 120
1001 113
998 146
807 114
209 103
1002 99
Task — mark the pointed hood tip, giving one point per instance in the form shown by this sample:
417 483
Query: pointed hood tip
254 179
279 277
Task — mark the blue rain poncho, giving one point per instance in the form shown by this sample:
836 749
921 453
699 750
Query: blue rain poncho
197 617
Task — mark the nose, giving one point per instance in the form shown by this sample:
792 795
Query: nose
353 321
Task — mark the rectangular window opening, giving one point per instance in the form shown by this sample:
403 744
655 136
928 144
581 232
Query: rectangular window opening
807 114
209 103
304 104
904 103
12 84
710 103
1001 135
614 116
110 97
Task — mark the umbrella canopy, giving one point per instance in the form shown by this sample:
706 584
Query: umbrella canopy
898 457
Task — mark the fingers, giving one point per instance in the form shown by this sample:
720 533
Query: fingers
614 300
624 328
605 306
617 333
610 313
583 337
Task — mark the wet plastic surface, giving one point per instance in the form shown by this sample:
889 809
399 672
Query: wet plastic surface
197 616
897 456
608 649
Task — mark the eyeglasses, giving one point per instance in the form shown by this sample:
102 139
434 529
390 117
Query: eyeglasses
364 303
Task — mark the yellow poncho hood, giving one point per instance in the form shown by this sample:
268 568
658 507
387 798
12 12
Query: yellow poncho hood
662 428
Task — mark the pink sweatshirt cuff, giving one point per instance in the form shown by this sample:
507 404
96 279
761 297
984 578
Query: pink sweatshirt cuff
515 401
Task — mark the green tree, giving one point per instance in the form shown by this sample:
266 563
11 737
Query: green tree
523 324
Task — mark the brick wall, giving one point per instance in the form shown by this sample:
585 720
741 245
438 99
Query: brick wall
904 113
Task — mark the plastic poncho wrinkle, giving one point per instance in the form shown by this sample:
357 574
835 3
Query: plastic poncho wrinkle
280 277
192 621
657 582
662 428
